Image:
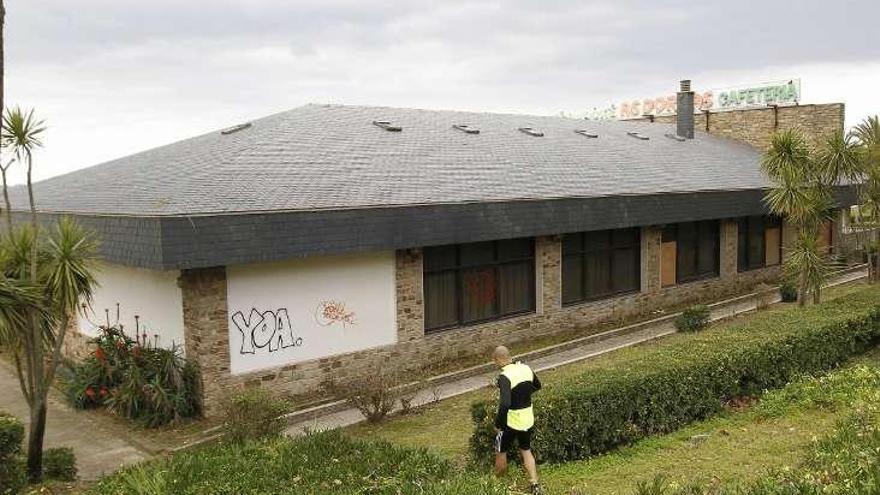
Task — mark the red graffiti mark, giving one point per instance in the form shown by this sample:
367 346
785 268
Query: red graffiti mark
480 286
329 312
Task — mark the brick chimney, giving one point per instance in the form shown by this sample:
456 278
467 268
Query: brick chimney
684 120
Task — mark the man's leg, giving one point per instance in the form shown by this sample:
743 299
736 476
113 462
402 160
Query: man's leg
529 464
501 444
500 463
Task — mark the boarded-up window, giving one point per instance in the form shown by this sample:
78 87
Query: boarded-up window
600 264
758 242
471 283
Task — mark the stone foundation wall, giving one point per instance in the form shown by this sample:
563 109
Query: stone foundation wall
205 317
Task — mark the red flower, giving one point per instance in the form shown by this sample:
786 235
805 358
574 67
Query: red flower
99 354
103 392
90 393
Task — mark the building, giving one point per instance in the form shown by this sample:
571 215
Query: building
312 243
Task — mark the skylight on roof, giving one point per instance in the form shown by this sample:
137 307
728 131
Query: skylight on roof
585 133
675 137
466 128
637 135
384 124
531 132
235 128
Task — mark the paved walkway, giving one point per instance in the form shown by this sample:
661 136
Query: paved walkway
617 339
98 448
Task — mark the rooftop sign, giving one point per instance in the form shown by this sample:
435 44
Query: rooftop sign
730 98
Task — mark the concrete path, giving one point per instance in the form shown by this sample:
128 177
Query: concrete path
98 449
612 340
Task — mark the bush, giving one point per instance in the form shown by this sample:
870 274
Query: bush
328 463
13 475
788 292
59 464
693 319
11 435
689 380
376 391
253 414
135 379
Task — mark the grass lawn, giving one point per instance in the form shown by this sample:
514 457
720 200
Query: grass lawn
446 427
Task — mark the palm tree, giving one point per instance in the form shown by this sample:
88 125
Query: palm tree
60 267
66 260
803 193
867 135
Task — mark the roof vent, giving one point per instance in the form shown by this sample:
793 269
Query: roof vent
675 137
466 128
638 135
531 132
585 133
235 128
384 124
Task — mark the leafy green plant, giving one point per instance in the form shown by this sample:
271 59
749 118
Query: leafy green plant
135 379
693 319
589 414
253 414
59 464
13 475
327 463
788 292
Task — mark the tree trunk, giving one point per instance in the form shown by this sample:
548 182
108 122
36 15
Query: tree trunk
36 433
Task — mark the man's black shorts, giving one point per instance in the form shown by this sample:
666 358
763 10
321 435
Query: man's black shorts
505 438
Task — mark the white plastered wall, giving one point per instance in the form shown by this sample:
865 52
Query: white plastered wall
299 310
152 295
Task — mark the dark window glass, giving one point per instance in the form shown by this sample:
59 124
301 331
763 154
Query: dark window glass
441 308
752 241
572 278
600 264
697 248
476 282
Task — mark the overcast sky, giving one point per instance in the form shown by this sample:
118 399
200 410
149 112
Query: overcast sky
113 77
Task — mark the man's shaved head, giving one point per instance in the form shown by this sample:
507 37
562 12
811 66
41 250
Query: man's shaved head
501 355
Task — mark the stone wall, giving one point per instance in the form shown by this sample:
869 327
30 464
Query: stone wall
207 335
757 126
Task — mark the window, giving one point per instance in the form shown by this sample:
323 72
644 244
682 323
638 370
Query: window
600 264
471 283
696 249
758 242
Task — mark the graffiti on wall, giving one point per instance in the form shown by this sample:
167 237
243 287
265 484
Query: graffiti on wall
331 312
269 330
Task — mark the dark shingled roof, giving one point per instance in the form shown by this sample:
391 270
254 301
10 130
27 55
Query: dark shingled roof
322 179
320 157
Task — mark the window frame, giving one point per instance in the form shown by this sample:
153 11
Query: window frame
584 253
672 230
460 268
767 221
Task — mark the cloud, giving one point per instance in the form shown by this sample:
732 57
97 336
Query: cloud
113 77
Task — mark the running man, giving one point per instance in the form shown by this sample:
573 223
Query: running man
515 418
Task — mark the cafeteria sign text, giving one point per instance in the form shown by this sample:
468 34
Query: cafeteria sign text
733 98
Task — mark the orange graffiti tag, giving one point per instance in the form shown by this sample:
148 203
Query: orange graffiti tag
329 312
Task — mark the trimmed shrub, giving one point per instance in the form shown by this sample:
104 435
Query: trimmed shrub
788 292
59 464
376 391
692 378
13 474
693 319
253 414
136 379
328 463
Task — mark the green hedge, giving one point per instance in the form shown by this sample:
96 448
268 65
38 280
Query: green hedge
324 463
690 379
